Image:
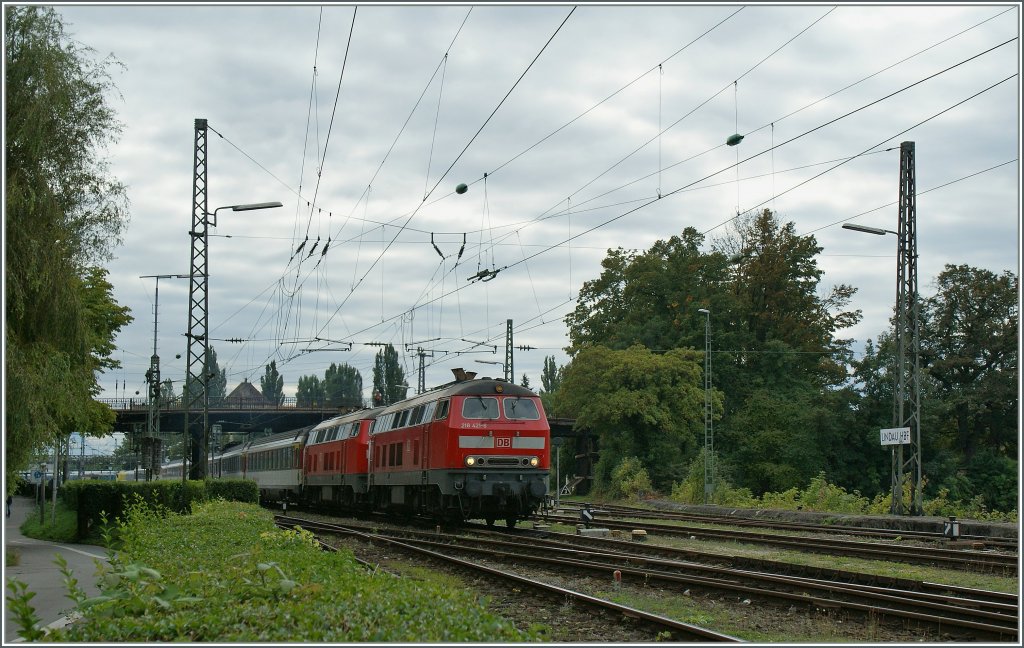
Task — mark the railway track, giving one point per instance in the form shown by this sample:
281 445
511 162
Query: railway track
619 511
992 562
664 627
975 613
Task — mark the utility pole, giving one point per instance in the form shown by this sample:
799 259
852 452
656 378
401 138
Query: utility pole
197 399
421 382
709 433
907 402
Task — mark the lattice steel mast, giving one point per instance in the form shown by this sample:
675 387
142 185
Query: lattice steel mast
907 401
197 398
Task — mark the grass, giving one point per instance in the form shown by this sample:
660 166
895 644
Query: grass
978 580
12 558
59 527
226 574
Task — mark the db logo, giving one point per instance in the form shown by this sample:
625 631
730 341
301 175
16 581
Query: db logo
503 442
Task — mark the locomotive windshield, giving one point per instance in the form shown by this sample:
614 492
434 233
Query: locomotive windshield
478 407
521 408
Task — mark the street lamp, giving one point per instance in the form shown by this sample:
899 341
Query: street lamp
494 362
868 230
709 433
199 296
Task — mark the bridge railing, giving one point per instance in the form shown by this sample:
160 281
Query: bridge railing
177 404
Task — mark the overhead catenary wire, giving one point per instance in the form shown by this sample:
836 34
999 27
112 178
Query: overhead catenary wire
457 157
772 149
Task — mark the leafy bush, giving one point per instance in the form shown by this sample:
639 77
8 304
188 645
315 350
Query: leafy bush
233 490
246 581
822 496
630 479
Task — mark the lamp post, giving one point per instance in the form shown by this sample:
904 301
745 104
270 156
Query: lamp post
709 434
495 362
152 452
198 350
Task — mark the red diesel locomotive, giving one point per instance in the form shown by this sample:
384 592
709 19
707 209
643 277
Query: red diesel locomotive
470 449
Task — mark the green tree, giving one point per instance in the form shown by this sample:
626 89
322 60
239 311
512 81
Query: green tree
969 337
770 332
551 375
64 214
272 384
343 386
217 380
167 393
650 298
310 392
550 380
388 377
640 404
525 382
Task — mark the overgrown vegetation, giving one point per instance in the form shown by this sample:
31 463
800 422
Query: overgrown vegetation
790 397
821 496
247 581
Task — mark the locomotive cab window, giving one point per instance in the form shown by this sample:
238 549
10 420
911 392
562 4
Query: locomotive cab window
478 407
521 409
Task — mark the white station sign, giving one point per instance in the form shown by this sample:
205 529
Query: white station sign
895 436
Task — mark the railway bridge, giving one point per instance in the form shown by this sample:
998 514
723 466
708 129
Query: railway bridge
234 419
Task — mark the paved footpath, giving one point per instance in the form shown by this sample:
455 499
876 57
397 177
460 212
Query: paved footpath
37 569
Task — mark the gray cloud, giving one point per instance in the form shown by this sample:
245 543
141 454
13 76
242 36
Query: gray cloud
249 70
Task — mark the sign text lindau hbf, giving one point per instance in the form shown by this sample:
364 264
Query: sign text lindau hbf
895 436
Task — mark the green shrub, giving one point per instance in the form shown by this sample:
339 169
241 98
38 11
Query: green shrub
823 496
246 581
630 479
233 490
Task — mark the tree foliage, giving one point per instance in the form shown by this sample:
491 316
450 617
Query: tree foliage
969 336
776 354
310 392
217 380
64 213
343 386
640 404
272 384
388 377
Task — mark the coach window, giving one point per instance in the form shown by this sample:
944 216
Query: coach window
428 411
478 407
442 409
354 431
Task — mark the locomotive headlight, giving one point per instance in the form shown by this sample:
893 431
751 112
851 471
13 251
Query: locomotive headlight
534 461
470 461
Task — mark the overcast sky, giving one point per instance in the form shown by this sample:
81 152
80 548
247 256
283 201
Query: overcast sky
566 124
